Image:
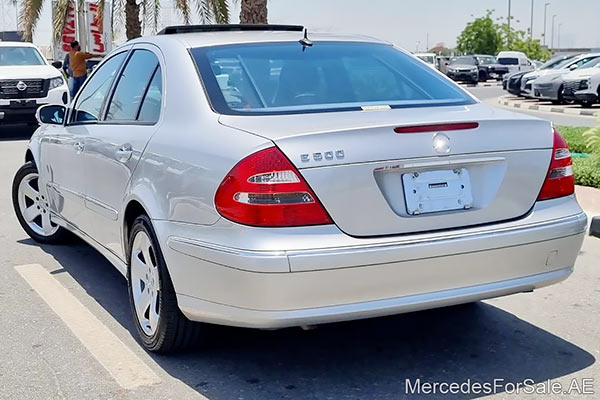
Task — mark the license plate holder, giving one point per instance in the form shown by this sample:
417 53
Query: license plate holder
437 191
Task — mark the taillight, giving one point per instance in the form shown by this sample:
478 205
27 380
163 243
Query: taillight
560 180
265 189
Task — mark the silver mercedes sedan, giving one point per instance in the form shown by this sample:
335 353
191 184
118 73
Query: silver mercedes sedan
264 177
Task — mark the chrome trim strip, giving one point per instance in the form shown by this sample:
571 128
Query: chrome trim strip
197 248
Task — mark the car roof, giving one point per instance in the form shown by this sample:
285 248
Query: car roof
204 39
17 44
512 54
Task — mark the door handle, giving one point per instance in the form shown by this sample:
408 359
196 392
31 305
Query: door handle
124 153
79 146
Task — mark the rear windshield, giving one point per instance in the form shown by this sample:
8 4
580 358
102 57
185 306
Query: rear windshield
11 56
508 61
276 78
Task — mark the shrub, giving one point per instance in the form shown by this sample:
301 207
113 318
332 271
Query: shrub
587 171
574 137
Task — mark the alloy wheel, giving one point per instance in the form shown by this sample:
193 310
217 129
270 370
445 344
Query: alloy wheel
34 206
145 283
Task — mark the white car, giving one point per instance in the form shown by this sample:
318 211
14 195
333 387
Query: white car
250 176
429 58
549 86
527 79
27 81
515 61
583 84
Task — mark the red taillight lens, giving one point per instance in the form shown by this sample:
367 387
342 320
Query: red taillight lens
265 189
560 180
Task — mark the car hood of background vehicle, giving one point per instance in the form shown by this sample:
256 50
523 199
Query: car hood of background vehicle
28 72
582 73
551 76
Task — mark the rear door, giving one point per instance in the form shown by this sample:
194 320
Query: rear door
113 148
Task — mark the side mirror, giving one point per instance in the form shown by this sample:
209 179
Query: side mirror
57 64
53 114
573 67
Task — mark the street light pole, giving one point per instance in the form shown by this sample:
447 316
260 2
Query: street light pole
509 21
552 37
558 44
545 12
531 26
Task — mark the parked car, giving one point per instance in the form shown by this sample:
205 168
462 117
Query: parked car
583 85
243 181
550 85
26 82
512 82
487 64
429 58
526 82
464 68
514 61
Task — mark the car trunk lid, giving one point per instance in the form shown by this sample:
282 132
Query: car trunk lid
477 166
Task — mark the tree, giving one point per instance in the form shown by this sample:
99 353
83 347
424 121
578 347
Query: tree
210 11
485 36
480 36
253 12
519 40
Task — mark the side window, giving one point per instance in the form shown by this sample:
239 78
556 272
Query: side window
90 100
150 111
131 87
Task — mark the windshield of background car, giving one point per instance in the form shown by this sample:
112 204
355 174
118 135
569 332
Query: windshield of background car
591 64
508 61
487 60
463 61
275 78
427 59
11 56
555 64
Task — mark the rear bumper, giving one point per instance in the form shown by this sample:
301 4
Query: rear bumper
325 276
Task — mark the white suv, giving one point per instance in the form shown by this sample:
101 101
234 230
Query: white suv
27 81
583 84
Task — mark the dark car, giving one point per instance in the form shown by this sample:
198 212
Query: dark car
464 68
487 64
512 82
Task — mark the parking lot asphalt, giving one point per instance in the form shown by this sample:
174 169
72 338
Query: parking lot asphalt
552 333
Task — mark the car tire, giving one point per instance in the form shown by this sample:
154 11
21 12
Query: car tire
586 104
32 207
560 97
161 325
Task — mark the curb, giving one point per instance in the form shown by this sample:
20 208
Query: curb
506 101
481 84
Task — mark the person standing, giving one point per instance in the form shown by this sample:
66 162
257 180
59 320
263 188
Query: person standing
77 61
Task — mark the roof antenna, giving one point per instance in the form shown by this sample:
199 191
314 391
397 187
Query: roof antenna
305 41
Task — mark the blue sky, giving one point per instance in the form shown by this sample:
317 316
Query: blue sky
403 22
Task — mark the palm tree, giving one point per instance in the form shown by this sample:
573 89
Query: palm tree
254 12
210 11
